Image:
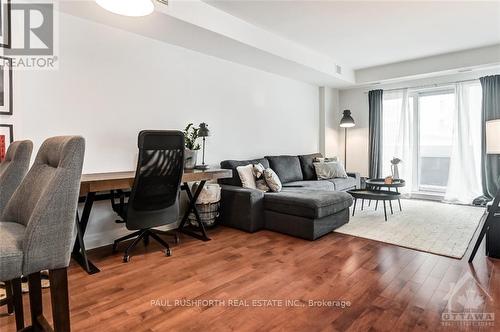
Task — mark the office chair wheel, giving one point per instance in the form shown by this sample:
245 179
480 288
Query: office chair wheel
168 252
126 258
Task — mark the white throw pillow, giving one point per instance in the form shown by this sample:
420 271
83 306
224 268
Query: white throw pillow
272 180
246 176
330 170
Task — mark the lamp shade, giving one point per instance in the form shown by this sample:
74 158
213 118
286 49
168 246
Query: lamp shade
203 130
128 7
493 137
347 120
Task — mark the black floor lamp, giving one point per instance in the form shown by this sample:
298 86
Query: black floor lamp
346 122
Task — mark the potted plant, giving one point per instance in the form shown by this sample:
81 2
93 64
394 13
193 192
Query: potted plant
191 153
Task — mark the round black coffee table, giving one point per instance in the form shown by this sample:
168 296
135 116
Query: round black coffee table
378 184
376 195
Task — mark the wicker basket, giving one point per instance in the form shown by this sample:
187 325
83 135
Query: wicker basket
208 214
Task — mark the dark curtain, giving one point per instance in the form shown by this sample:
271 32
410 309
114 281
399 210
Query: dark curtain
490 164
375 100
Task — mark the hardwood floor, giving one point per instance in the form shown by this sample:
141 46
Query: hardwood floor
388 287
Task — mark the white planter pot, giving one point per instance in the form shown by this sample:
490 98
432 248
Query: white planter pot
190 157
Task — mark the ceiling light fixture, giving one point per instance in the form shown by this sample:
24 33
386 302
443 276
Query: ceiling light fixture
128 7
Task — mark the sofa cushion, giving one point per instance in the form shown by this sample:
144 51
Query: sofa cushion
307 203
287 168
310 185
306 163
232 164
343 184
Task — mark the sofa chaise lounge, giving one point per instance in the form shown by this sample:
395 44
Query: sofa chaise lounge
306 207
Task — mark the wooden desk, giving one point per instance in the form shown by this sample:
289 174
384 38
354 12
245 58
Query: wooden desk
92 184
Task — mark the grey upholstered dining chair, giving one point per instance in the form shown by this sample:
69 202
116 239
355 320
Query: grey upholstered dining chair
13 169
37 228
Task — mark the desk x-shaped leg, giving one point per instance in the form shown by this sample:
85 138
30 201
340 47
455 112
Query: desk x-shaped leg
199 231
79 253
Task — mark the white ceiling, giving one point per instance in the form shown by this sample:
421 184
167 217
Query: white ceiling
365 34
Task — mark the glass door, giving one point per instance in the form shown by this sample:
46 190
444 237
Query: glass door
435 116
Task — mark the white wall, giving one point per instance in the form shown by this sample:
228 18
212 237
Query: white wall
111 84
357 101
330 116
357 137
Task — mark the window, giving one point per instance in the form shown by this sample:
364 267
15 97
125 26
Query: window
432 130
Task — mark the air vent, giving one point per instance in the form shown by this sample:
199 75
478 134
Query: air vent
338 69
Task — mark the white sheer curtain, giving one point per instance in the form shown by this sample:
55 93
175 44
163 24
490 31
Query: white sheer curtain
464 182
398 133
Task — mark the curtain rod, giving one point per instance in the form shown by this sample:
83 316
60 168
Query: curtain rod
435 85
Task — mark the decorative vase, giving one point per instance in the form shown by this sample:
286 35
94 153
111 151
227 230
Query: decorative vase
395 171
190 157
394 168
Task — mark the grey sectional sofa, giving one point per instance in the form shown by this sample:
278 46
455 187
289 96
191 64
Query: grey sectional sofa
306 207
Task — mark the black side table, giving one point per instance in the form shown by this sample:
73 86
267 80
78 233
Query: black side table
377 184
376 195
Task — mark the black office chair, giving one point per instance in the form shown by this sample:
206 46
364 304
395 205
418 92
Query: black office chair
154 197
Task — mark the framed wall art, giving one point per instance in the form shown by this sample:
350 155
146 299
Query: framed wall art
5 86
5 23
6 138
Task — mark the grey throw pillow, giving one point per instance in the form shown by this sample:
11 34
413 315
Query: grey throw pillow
326 160
272 180
330 170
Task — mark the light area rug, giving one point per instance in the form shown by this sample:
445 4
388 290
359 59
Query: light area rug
438 228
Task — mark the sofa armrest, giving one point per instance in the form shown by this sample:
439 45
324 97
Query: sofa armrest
356 176
242 208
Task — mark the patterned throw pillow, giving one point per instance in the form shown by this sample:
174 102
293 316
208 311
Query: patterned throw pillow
246 176
272 180
329 170
262 185
258 170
